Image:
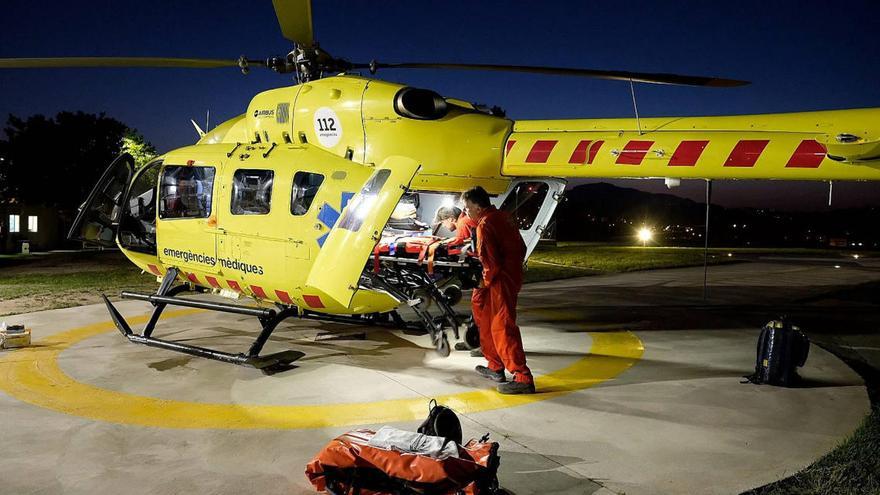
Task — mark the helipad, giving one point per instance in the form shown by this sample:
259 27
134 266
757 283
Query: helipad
623 406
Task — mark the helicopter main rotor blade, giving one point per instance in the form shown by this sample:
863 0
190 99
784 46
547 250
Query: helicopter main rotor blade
643 77
295 19
60 62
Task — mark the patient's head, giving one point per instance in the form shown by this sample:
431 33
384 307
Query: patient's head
447 215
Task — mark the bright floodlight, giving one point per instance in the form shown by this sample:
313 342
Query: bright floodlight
645 235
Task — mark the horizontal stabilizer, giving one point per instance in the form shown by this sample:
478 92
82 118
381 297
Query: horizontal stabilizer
832 145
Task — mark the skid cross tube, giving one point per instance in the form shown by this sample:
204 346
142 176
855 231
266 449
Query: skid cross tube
269 319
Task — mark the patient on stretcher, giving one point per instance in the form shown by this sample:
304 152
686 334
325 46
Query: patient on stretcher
448 240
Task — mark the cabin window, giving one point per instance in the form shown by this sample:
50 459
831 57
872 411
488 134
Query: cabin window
305 188
186 192
360 206
524 203
13 224
32 223
252 191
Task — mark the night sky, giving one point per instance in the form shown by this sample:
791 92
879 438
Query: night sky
799 55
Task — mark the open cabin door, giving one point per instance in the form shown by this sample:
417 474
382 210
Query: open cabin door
99 216
531 203
338 266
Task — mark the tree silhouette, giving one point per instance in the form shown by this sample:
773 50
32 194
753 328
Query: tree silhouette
56 161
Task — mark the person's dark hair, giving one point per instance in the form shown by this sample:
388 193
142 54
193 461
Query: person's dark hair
478 196
447 212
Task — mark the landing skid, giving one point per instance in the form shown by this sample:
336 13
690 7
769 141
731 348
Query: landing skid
269 320
165 296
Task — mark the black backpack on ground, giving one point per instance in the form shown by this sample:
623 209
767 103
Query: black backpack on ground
782 348
441 422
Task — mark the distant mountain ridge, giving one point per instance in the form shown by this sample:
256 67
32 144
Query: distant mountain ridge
605 212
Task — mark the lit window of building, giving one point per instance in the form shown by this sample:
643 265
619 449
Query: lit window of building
32 223
13 223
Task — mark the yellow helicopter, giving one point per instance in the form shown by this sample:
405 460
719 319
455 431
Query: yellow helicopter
290 202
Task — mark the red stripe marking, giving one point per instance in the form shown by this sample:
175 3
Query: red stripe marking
155 270
509 145
809 154
594 150
313 301
192 278
541 151
746 153
687 153
634 152
234 285
213 281
259 292
284 296
580 153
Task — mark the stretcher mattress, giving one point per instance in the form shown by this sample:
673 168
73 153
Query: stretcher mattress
425 248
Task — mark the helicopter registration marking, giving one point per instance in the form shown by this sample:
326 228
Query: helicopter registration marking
327 127
33 375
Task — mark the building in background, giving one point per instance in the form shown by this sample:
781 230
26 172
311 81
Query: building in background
32 227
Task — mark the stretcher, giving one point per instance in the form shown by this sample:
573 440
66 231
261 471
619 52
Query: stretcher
426 271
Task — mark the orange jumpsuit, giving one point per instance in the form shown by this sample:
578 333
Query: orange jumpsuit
502 253
464 227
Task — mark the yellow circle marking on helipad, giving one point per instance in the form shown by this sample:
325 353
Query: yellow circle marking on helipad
33 375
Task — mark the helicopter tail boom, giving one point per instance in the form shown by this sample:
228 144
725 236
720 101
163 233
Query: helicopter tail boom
832 145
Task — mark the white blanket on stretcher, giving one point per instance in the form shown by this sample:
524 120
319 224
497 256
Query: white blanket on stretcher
411 442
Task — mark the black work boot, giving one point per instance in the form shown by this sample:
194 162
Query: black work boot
476 352
512 388
495 376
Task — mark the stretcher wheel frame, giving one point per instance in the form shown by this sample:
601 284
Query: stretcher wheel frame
443 348
472 335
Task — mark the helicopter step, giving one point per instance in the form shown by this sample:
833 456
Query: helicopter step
269 319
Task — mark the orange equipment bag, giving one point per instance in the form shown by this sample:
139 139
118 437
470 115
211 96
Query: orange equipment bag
349 465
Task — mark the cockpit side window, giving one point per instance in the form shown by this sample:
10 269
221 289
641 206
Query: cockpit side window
357 210
186 192
252 191
524 203
305 188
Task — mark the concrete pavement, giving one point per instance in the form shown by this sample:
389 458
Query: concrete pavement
640 379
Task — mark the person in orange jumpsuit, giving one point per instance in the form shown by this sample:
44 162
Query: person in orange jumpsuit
456 221
463 227
502 252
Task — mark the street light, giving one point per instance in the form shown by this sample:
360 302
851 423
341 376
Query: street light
645 235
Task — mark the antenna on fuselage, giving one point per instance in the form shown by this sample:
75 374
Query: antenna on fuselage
199 130
632 90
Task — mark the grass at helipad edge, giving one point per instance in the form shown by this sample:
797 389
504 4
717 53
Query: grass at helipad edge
573 259
62 280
